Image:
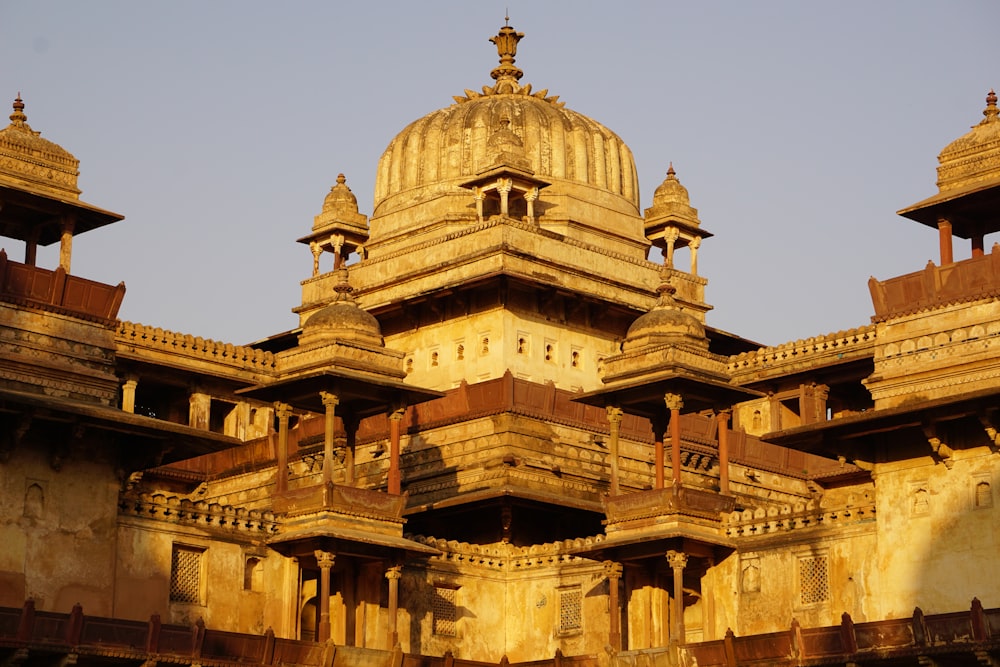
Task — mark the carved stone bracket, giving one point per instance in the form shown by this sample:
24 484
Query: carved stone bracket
942 452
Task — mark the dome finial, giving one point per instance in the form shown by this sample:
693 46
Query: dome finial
18 117
991 112
506 42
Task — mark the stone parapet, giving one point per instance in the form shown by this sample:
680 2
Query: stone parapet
139 341
231 519
816 351
761 522
504 556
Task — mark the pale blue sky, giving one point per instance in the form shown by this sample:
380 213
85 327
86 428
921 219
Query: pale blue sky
217 128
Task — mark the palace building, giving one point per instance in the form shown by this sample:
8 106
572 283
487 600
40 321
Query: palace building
504 431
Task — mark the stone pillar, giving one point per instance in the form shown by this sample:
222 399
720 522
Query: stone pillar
31 247
694 244
504 186
723 418
659 425
330 403
325 561
199 410
480 196
284 412
530 196
316 250
128 394
615 422
674 404
66 242
977 244
395 476
393 574
613 571
670 235
944 239
678 561
351 430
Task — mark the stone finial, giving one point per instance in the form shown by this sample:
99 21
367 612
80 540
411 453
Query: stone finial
18 117
990 112
506 42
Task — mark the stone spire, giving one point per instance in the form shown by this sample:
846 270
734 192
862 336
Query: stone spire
506 42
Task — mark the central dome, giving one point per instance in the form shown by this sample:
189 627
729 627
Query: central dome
434 155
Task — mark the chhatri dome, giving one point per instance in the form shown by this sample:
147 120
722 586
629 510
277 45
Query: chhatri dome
575 156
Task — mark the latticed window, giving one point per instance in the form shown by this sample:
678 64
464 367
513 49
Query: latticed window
185 575
570 610
444 611
813 579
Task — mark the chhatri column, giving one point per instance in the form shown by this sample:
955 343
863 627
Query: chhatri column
677 561
694 244
31 247
723 418
395 422
325 561
351 430
480 195
674 404
670 235
659 425
504 186
393 574
330 402
615 422
944 239
66 242
283 412
530 196
613 571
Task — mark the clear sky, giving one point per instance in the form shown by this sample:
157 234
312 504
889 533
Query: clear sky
217 128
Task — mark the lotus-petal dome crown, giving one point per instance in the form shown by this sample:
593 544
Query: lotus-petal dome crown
435 154
343 320
666 323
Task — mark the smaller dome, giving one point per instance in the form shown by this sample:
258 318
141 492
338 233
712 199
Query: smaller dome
972 157
665 324
36 162
671 200
342 320
341 199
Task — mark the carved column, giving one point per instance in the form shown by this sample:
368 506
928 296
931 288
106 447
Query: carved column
395 476
66 242
316 250
944 239
530 196
504 186
480 196
670 235
337 241
31 247
977 242
283 412
393 574
613 571
694 244
330 402
325 561
674 404
351 430
723 418
659 425
128 394
615 422
677 561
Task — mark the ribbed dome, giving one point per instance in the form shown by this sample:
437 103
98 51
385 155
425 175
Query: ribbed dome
666 323
972 157
34 161
343 320
436 153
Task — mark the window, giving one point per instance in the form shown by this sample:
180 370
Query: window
444 611
185 574
570 610
814 586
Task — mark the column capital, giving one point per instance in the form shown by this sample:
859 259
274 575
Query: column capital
505 185
695 243
397 410
723 412
329 400
394 572
677 559
282 410
612 570
673 401
324 559
614 414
